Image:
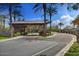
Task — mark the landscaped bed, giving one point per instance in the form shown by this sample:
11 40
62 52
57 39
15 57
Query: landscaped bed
2 37
74 50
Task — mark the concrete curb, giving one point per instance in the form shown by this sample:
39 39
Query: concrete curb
40 37
51 35
66 48
11 38
21 37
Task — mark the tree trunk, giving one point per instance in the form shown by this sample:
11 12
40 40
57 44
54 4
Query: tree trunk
19 19
60 28
10 11
50 24
14 17
44 9
3 23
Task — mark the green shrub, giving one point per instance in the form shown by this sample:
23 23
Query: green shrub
54 29
74 50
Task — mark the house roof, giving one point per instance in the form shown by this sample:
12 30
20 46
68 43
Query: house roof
29 22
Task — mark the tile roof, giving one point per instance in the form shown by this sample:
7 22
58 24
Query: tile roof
28 22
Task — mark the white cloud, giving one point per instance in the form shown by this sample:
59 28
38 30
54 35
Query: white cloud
66 19
55 22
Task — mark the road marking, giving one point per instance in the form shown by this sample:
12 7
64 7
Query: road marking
66 48
45 49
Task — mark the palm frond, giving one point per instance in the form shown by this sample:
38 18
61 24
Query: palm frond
73 6
37 9
36 5
51 10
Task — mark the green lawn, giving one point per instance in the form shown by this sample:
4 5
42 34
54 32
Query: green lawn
74 50
3 37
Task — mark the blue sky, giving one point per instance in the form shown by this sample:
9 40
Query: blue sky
28 12
62 15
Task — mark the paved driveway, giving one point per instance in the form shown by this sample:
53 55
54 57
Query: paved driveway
28 47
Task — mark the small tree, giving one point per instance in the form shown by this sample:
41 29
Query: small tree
51 11
61 24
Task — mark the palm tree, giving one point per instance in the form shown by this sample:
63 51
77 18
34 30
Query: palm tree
60 24
3 17
16 13
20 17
51 11
10 7
38 7
14 5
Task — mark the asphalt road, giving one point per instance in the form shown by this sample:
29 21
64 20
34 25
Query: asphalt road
28 47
